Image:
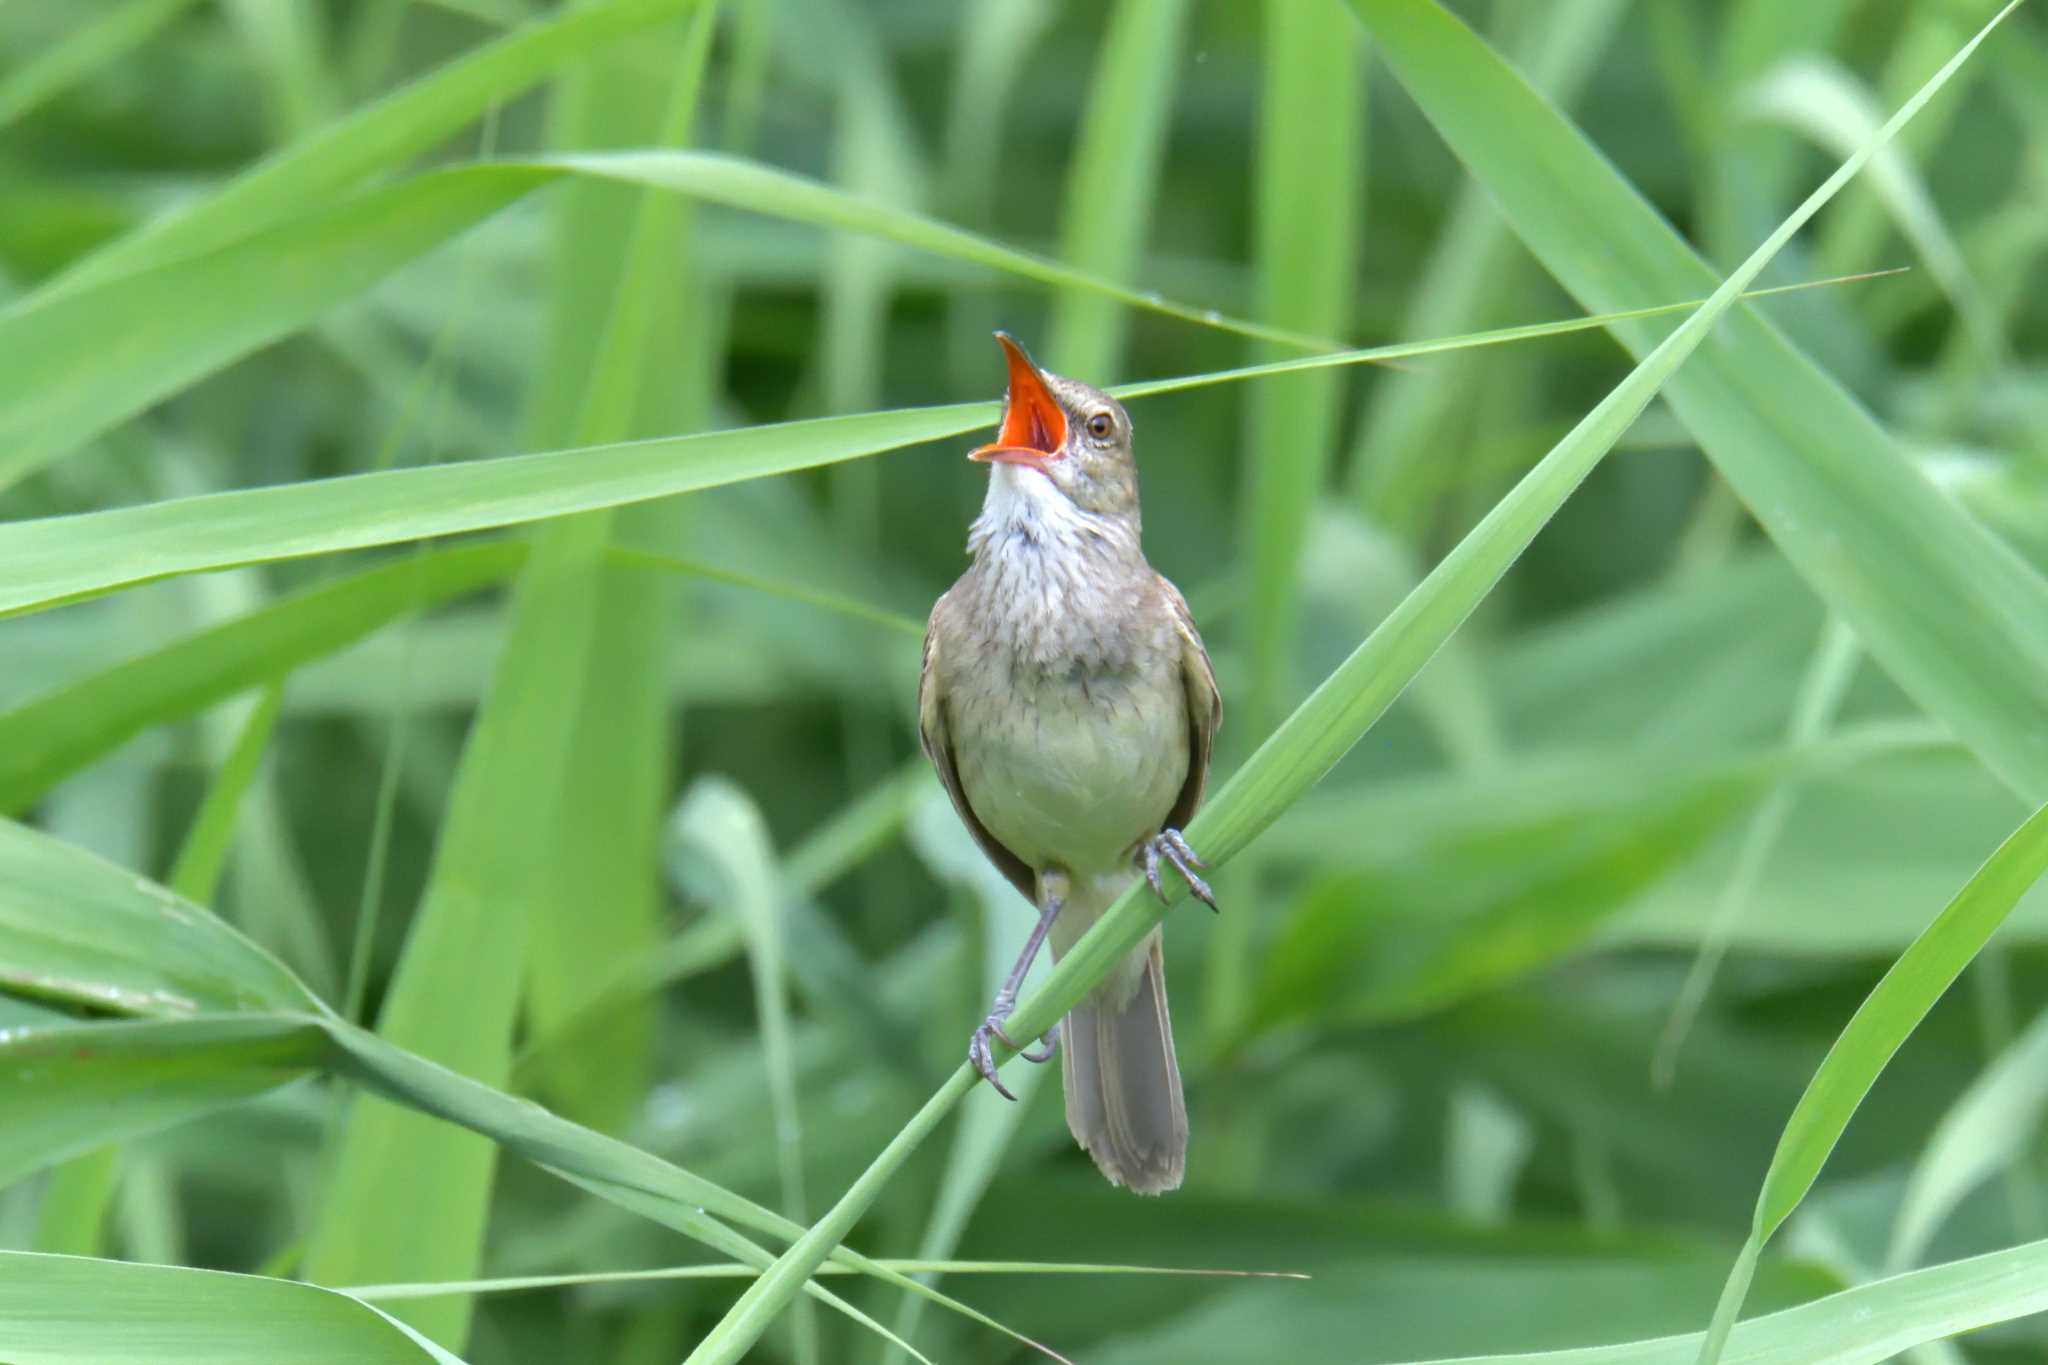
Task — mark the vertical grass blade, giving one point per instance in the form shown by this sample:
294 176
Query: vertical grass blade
619 268
1306 198
407 1198
1113 179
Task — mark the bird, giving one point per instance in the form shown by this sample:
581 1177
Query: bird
1069 707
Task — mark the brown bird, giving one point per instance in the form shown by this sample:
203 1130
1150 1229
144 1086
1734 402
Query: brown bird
1069 707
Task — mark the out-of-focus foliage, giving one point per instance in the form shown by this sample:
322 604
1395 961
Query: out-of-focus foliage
592 776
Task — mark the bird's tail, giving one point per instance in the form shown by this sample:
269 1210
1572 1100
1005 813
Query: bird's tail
1122 1082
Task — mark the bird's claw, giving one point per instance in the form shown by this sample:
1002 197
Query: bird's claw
983 1059
1170 846
1048 1046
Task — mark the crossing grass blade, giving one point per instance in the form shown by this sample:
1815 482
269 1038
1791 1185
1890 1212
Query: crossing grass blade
377 1293
1827 104
455 994
178 319
52 560
1958 619
621 276
48 737
221 1021
1396 472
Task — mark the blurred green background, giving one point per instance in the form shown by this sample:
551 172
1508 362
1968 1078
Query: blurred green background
1500 1024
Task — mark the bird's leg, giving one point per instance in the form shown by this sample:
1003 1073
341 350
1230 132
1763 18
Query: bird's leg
1052 890
1168 846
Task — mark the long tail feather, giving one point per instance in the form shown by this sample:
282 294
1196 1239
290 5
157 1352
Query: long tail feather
1123 1084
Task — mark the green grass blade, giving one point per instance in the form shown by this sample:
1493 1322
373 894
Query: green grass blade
1951 613
108 35
70 1310
1992 1124
73 1088
1113 180
123 944
795 592
718 835
1295 758
988 1128
620 289
72 1218
1397 471
1832 669
1376 946
1305 212
379 137
1926 37
738 183
283 40
49 737
874 155
1886 1018
1306 196
74 1209
634 1179
196 873
1860 1326
409 1199
992 57
1839 114
56 559
86 358
92 354
378 1293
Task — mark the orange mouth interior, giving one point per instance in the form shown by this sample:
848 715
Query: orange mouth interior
1034 427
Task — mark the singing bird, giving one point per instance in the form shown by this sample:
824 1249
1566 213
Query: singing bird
1069 707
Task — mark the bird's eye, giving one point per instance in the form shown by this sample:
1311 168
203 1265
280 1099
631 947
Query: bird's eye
1101 425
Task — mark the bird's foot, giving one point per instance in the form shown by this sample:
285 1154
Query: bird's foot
982 1056
1169 847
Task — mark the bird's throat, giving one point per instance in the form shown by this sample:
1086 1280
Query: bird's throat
1057 585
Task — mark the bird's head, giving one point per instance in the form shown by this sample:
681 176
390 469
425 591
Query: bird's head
1076 436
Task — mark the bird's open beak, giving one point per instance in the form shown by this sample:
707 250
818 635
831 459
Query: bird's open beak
1034 428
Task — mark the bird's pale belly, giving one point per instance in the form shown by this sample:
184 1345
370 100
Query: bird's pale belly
1070 773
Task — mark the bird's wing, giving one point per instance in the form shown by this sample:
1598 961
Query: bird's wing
1205 707
936 736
